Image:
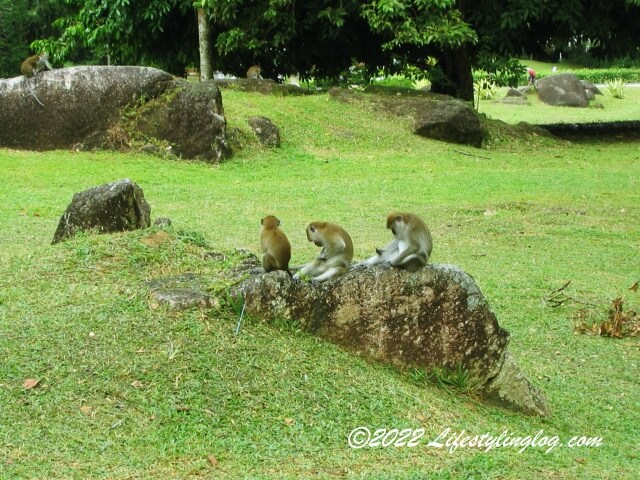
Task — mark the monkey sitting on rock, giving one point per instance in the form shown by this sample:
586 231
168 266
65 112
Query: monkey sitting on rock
275 246
35 64
411 246
336 253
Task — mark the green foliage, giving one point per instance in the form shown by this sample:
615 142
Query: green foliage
616 87
484 89
418 23
456 379
603 75
504 72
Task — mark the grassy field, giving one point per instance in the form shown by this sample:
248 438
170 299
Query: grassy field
604 108
126 391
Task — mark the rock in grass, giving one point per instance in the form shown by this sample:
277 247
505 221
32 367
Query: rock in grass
114 108
180 292
114 207
433 319
563 90
267 132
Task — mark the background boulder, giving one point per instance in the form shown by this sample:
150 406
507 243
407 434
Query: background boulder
563 90
106 107
435 318
114 207
267 132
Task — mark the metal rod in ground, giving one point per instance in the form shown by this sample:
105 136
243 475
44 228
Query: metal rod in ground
239 324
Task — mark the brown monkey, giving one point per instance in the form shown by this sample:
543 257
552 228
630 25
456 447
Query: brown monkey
275 245
254 72
411 246
336 253
35 64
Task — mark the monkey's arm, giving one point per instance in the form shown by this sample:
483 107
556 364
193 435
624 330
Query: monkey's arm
384 254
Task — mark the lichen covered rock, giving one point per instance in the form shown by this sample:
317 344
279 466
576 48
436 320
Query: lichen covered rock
434 318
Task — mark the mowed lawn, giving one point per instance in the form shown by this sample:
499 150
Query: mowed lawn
125 390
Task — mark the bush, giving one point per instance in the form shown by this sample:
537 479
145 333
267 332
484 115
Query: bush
604 75
616 88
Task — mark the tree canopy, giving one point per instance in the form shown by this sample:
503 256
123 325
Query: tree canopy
323 38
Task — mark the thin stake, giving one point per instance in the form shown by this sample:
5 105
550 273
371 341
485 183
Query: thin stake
239 324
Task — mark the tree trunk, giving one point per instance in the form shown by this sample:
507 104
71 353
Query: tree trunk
456 66
204 37
458 79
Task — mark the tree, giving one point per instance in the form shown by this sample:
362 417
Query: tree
161 33
419 31
204 41
322 39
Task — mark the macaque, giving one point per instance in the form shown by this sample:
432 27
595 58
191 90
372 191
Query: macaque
254 72
36 64
336 253
275 246
411 246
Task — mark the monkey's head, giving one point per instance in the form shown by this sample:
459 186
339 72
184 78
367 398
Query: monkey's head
393 219
270 222
313 235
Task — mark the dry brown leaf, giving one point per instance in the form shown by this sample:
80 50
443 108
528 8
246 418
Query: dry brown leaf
634 287
30 383
212 460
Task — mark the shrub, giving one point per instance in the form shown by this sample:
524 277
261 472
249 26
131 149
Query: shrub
603 75
616 88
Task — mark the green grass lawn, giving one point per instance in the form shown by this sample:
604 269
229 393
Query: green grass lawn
130 392
604 108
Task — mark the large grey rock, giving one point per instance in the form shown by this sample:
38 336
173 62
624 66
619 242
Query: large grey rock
434 318
114 207
82 107
450 121
564 90
589 86
190 118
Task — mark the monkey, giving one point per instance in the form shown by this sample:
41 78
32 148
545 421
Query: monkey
275 246
35 64
411 247
336 254
254 72
31 67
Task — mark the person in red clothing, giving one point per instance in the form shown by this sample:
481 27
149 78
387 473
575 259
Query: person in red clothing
532 75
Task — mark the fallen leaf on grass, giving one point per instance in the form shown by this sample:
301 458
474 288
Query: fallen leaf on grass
634 287
619 324
30 383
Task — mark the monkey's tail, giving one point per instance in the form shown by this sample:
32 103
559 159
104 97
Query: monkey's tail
33 93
